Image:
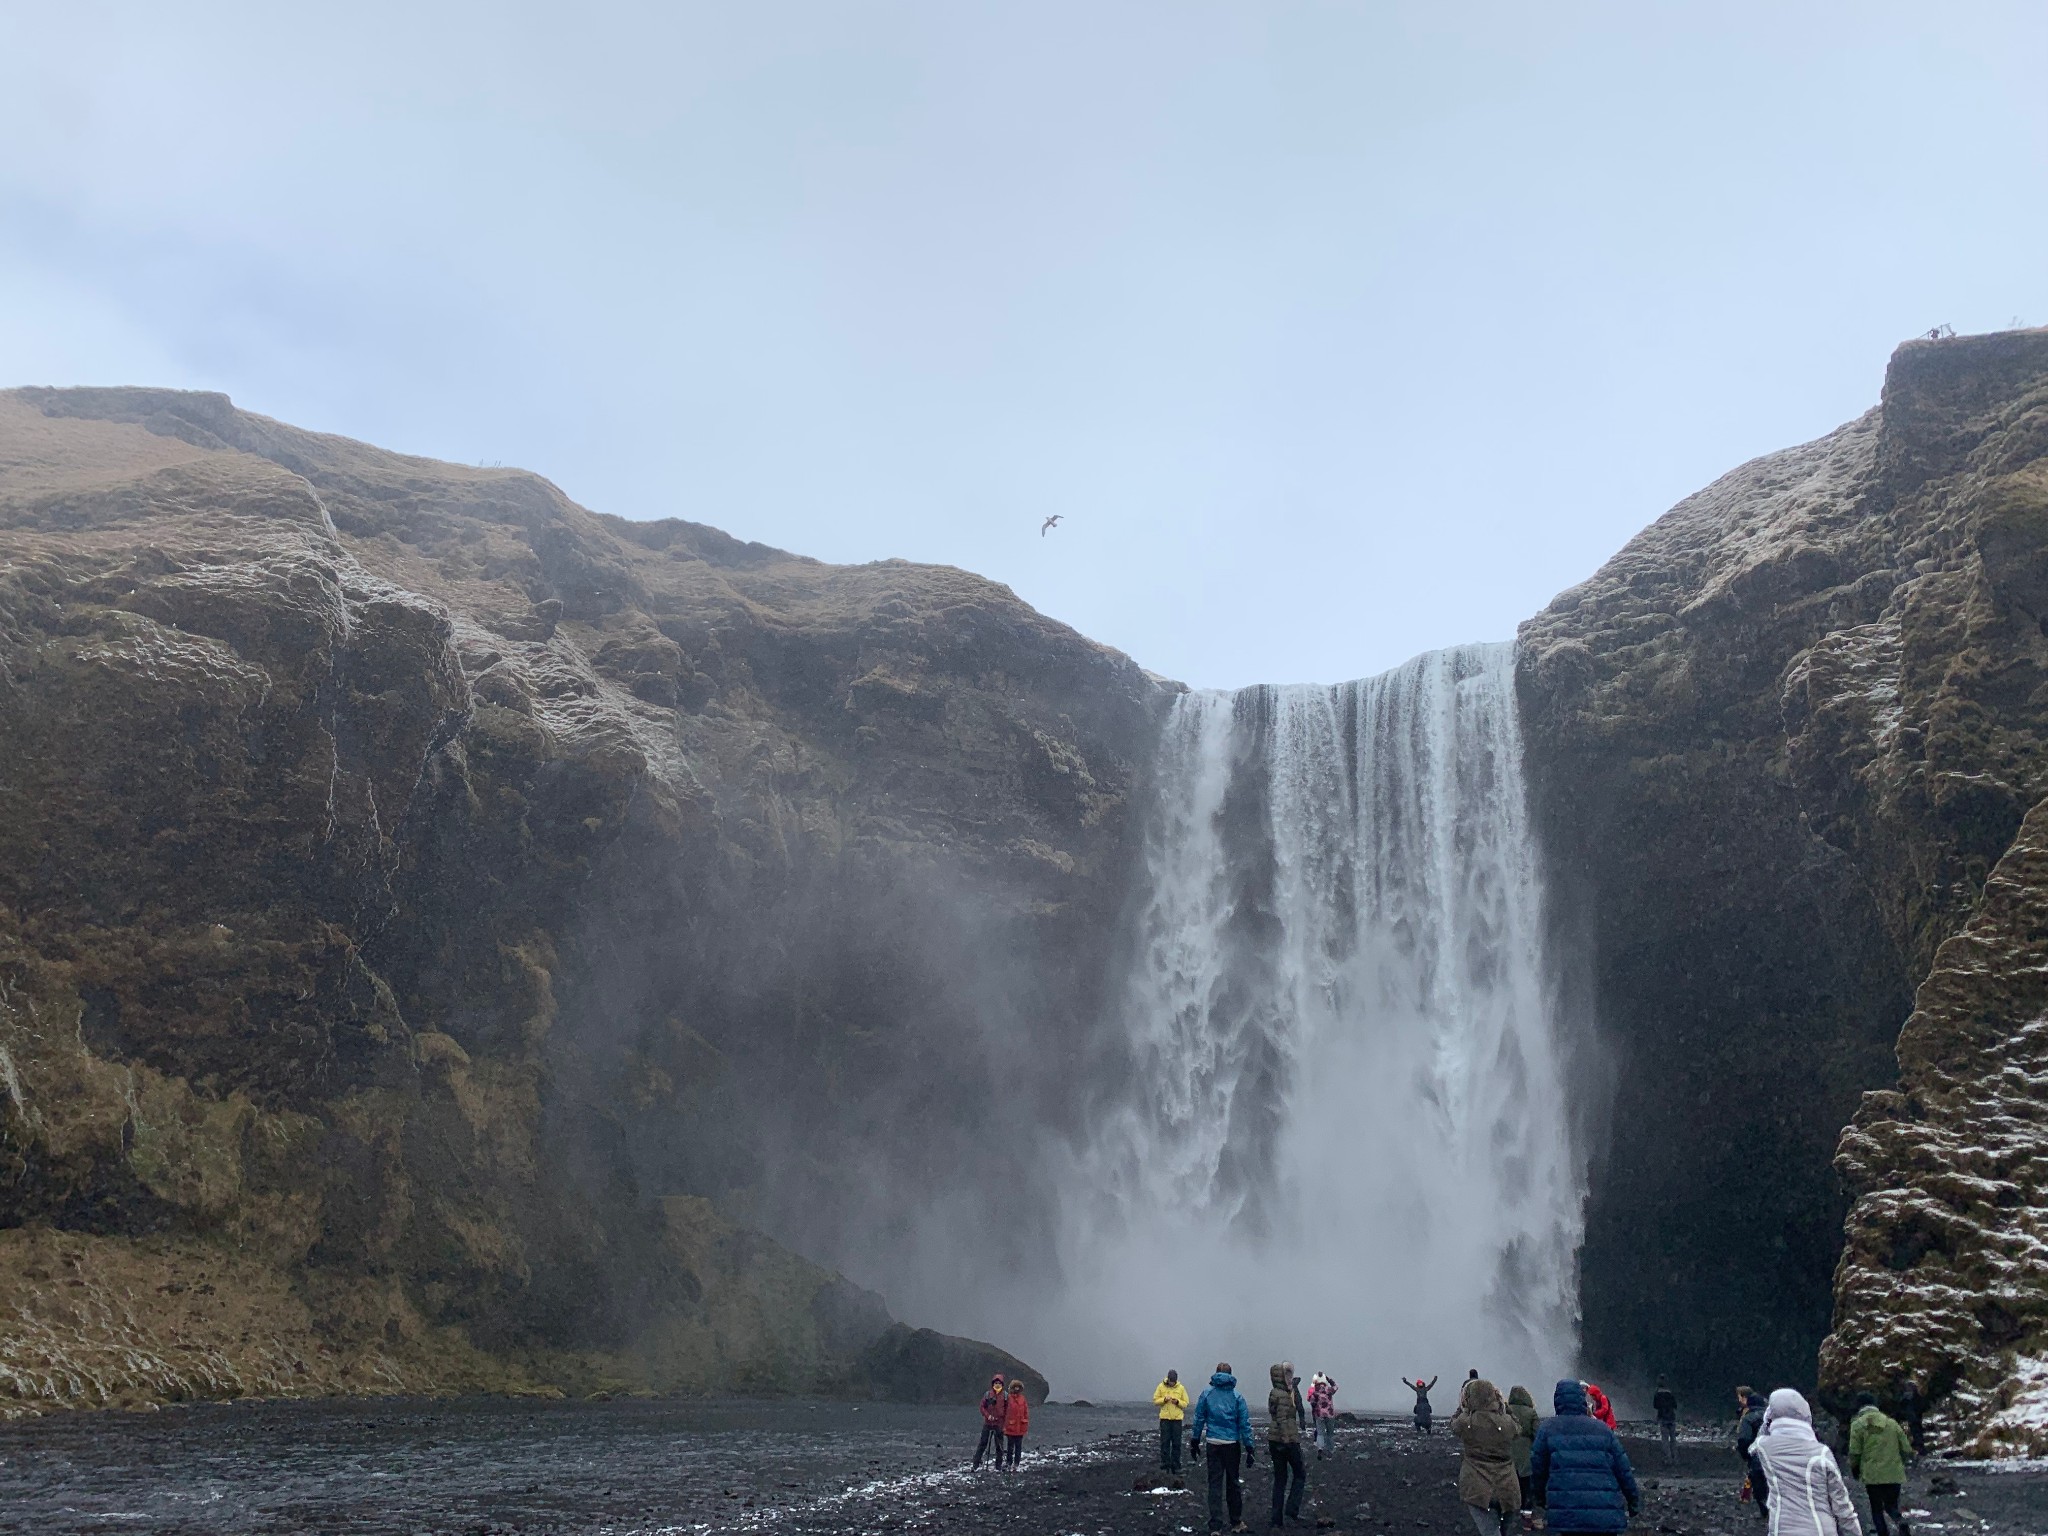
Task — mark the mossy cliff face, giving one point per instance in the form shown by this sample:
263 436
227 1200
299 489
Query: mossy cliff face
391 856
1777 746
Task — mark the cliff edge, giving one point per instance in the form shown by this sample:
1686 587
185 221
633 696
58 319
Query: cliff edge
389 852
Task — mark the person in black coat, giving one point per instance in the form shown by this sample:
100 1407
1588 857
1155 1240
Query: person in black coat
1912 1407
1423 1412
1579 1472
1665 1406
1746 1431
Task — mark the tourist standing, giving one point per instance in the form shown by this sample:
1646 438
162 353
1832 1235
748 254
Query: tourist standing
1522 1409
1747 1429
991 1425
1171 1399
1578 1471
1665 1405
1016 1424
1878 1448
1223 1422
1598 1405
1487 1484
1913 1409
1423 1412
1808 1496
1322 1407
1283 1444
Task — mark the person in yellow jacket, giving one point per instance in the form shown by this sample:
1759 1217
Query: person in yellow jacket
1171 1399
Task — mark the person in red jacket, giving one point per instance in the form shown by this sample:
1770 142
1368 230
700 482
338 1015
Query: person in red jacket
1016 1423
1597 1404
991 1423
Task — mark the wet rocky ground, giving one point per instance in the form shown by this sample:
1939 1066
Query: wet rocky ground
632 1468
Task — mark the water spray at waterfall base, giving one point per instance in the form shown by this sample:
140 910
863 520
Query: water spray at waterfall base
1339 1127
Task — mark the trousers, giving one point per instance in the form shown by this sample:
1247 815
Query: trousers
1287 1463
1169 1445
991 1444
1884 1500
1226 1485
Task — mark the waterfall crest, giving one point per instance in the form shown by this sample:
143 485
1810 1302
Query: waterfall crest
1342 1088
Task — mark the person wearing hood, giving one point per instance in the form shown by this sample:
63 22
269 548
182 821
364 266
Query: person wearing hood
1283 1444
1808 1496
1878 1449
1223 1421
1171 1399
1016 1422
1487 1484
1522 1409
1746 1431
1322 1408
1423 1412
1598 1405
1578 1471
991 1424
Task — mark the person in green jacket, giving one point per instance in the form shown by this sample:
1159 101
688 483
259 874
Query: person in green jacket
1171 1399
1878 1448
1522 1409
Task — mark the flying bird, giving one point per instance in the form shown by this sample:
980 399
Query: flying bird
1050 524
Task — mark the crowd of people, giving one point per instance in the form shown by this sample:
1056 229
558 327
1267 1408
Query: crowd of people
1570 1466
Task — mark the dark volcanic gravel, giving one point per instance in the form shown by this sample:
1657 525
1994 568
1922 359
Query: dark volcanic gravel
493 1468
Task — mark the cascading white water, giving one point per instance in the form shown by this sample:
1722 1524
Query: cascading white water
1343 1136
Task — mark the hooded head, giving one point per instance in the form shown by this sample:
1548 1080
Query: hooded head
996 1381
1788 1411
1480 1396
1568 1397
1223 1380
1173 1378
1282 1377
1521 1395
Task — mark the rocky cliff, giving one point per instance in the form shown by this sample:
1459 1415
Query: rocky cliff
437 923
450 939
1778 747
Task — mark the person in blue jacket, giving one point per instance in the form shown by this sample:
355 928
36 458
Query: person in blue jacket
1223 1419
1579 1472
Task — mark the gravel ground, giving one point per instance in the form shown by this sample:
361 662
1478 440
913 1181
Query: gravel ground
494 1468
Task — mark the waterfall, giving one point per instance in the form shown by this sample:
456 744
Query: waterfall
1339 1133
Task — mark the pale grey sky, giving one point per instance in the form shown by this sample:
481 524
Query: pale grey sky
1334 331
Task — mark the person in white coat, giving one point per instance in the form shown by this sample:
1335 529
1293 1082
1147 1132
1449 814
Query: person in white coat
1808 1495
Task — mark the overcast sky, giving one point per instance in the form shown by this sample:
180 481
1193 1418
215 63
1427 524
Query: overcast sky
1334 332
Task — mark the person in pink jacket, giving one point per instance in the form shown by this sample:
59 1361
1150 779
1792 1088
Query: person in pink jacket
1322 1409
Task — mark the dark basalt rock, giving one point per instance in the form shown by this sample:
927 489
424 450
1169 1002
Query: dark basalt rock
1777 746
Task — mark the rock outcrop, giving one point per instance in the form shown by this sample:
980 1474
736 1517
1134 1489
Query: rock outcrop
1778 746
430 913
453 940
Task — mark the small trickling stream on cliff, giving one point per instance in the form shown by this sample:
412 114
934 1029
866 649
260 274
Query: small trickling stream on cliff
1345 1125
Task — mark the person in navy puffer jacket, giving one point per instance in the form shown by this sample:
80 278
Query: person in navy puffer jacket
1579 1472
